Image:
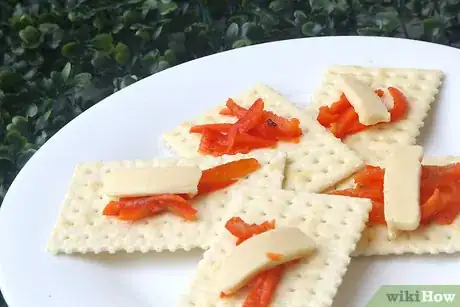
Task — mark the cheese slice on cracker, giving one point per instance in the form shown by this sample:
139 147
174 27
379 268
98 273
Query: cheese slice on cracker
431 239
401 188
317 162
334 223
81 227
419 86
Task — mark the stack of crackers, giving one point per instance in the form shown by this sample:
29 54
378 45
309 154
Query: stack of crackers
289 188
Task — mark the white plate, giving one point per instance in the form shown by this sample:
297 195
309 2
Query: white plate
128 124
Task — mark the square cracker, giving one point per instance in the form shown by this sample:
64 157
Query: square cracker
81 228
420 86
317 162
335 224
432 239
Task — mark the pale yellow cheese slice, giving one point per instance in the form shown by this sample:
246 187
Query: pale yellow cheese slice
370 108
401 188
152 180
250 257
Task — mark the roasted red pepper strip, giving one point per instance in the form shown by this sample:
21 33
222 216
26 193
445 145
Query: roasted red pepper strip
249 120
229 171
263 288
243 231
222 128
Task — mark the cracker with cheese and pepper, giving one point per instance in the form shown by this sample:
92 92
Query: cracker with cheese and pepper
162 204
279 248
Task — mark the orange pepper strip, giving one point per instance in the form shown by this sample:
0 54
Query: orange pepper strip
249 120
400 104
262 290
112 209
274 256
222 128
134 213
243 231
340 105
377 214
229 171
431 207
326 117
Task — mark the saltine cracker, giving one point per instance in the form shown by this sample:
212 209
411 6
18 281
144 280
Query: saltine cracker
420 86
81 227
335 223
317 162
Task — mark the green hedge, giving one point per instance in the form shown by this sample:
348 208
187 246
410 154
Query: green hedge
59 57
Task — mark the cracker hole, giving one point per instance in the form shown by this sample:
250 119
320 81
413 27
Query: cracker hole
79 197
86 237
336 237
88 172
291 290
145 222
315 234
315 161
331 152
322 221
350 209
324 171
344 222
329 206
319 278
341 162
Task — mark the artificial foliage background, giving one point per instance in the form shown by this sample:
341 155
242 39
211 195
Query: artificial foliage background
60 57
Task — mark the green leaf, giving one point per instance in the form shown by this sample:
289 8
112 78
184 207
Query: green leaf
5 154
100 60
311 29
170 57
387 21
82 80
241 43
148 6
318 5
32 110
15 139
166 8
251 31
20 124
103 42
432 28
122 53
10 81
299 17
232 31
131 17
66 71
157 32
31 37
53 34
70 50
278 5
144 35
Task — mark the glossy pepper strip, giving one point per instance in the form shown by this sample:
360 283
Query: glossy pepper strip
212 179
263 286
255 128
342 120
439 193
